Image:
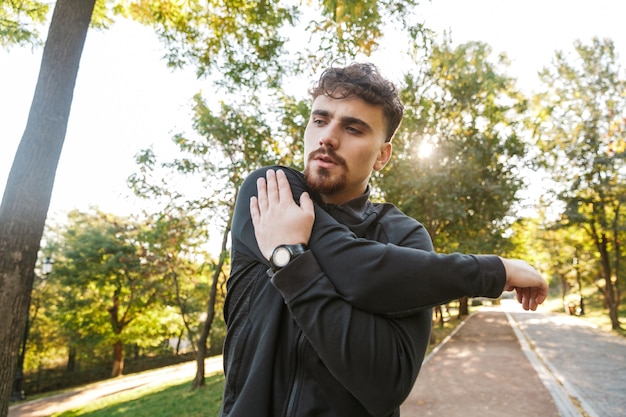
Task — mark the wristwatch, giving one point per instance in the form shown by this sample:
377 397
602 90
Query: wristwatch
283 254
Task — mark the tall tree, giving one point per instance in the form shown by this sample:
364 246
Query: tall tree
580 128
27 194
458 149
111 285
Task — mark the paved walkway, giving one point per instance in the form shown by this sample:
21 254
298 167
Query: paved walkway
587 364
500 362
506 362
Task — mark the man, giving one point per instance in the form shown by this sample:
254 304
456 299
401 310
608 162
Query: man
328 305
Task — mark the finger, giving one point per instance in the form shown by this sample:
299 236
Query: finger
532 305
284 188
526 301
542 293
522 298
272 187
261 189
538 297
254 211
306 204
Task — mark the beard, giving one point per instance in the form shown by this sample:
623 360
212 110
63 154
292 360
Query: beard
321 180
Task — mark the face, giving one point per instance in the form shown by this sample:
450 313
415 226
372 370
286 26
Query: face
344 142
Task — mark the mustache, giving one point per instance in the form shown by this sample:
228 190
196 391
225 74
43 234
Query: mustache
323 151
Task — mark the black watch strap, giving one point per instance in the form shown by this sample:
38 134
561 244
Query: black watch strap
283 254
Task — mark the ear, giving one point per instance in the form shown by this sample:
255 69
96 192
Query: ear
383 156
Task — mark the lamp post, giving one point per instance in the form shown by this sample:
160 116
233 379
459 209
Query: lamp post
18 380
47 266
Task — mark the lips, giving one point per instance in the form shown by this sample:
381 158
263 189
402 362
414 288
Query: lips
325 159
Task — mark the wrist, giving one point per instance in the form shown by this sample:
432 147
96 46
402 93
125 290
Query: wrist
282 255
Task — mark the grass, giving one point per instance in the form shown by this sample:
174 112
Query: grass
169 399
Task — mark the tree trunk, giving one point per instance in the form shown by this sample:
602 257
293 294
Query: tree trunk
609 286
118 359
206 327
463 307
27 194
71 359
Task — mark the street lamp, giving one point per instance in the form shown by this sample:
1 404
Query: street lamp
18 380
47 266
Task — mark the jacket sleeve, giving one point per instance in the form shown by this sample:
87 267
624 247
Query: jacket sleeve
399 278
376 277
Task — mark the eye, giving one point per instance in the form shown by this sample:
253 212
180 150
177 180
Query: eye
318 121
353 130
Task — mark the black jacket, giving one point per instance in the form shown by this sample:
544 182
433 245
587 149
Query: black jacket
343 329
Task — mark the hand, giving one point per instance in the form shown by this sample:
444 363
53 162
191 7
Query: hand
276 217
530 287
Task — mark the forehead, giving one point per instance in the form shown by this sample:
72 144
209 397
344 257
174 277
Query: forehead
351 107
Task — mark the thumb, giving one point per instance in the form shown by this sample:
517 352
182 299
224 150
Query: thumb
306 204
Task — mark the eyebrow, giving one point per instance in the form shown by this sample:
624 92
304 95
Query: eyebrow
346 120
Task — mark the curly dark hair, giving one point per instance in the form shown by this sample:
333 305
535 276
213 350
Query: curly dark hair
363 80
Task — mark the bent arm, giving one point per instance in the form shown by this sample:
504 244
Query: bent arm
376 277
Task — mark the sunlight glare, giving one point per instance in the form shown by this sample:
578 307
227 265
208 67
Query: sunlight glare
426 148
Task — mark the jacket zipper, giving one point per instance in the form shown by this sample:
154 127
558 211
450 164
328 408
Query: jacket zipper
297 380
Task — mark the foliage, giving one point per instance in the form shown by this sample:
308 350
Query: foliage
580 127
563 255
350 27
457 150
20 20
169 251
241 38
247 40
110 290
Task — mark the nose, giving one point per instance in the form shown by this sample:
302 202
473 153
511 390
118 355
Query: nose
329 138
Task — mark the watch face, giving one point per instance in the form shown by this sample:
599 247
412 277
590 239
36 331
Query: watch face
281 257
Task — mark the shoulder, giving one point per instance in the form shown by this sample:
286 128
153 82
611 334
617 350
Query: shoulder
401 229
295 177
292 174
388 213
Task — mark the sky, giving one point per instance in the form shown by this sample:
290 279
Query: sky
126 99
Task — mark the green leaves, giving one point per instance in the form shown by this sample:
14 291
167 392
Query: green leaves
462 108
111 281
20 21
580 121
580 129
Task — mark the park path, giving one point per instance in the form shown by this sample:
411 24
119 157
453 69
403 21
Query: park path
585 363
504 361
